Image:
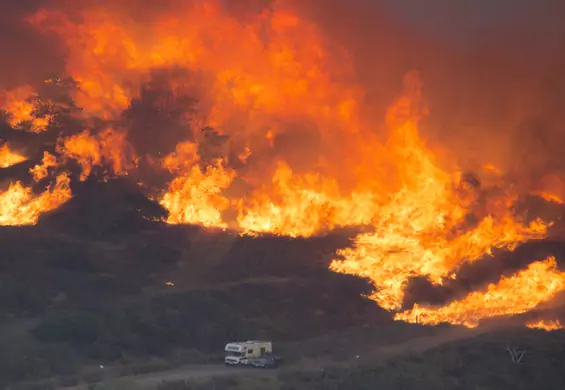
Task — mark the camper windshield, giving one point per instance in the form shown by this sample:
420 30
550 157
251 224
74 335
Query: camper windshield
232 353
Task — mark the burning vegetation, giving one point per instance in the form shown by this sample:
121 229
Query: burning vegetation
259 126
546 325
9 158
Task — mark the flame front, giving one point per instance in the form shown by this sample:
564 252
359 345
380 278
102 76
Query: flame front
9 158
547 325
290 153
19 206
421 230
512 295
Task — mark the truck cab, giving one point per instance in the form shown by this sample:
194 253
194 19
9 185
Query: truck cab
243 352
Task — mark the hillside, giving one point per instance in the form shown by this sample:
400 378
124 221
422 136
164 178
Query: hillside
101 281
93 284
482 362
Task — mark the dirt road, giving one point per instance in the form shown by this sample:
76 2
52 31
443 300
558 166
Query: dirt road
190 372
152 380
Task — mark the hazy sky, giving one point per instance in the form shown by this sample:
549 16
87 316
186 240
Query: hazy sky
471 18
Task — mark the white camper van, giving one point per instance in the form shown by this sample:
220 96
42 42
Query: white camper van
243 352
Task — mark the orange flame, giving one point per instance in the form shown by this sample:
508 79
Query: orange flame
9 158
18 206
196 197
109 147
419 232
41 171
547 325
297 205
285 76
517 294
21 111
256 79
549 197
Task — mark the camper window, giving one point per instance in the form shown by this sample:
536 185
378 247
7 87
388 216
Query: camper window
249 351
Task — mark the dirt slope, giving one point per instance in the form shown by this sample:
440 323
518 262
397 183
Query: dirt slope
151 381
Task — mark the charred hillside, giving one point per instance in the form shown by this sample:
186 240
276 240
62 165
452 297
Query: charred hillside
114 208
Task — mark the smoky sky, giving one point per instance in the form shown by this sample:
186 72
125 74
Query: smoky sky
27 55
466 21
489 67
402 30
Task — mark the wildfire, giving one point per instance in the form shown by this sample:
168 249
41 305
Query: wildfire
196 197
421 230
549 197
19 206
547 325
22 112
512 295
110 57
297 205
291 152
41 171
9 158
108 147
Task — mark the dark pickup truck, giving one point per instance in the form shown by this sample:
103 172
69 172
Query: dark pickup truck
265 361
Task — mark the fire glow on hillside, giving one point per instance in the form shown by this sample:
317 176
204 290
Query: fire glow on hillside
255 80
